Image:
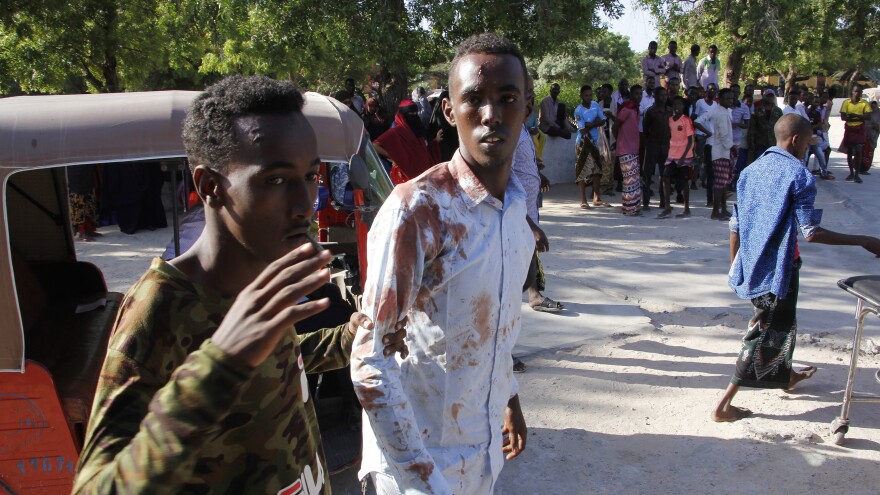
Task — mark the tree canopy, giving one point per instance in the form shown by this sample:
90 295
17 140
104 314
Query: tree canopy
789 37
55 46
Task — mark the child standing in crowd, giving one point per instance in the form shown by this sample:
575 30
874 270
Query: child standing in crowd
680 158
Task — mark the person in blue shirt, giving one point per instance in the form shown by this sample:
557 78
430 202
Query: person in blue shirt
775 197
588 168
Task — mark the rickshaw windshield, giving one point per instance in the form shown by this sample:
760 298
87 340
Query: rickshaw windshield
380 183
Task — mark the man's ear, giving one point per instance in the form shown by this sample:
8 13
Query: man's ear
207 186
447 110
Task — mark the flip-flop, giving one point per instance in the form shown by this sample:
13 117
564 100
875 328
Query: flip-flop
519 366
548 305
585 206
600 203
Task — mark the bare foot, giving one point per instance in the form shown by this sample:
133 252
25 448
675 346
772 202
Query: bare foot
731 414
803 374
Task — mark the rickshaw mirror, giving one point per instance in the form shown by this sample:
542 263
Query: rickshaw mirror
358 173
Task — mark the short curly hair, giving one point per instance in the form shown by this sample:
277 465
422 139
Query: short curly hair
209 127
489 43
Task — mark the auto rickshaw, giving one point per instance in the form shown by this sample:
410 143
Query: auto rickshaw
56 313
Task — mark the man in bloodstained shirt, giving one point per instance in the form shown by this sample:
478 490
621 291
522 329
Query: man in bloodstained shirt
449 252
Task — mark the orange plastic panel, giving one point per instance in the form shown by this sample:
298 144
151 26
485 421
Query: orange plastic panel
37 450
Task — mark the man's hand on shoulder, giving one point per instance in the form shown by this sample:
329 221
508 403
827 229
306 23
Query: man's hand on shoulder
514 431
394 342
268 307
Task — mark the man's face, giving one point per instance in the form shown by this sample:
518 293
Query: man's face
349 85
660 97
270 185
735 91
622 86
770 99
554 90
856 93
636 95
711 92
749 91
652 49
586 96
713 53
673 47
793 99
693 95
874 106
601 93
649 83
726 101
677 107
674 86
487 106
808 99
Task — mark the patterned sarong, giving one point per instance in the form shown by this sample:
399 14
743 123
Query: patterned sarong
588 160
852 136
722 169
83 208
632 184
766 355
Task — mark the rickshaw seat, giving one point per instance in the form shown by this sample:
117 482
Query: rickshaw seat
70 344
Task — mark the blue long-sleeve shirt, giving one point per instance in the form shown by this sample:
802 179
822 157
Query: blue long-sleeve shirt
775 196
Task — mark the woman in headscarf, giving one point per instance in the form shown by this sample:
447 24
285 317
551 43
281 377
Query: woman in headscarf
407 145
441 130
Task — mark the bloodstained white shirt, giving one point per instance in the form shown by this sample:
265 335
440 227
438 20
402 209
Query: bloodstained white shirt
451 258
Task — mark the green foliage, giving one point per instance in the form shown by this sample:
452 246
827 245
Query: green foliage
569 93
603 57
54 46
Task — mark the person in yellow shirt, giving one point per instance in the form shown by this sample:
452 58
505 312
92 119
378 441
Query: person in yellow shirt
854 112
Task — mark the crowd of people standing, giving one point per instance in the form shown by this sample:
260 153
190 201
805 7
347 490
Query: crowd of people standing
676 124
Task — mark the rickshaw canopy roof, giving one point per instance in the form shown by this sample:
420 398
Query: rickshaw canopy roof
45 131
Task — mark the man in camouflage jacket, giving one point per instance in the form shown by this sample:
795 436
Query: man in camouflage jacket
203 389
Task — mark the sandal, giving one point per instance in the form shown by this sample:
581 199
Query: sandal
664 214
600 203
585 206
548 305
519 366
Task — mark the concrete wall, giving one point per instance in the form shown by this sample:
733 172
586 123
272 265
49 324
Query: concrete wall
559 159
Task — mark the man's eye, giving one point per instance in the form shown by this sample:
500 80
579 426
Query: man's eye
275 181
509 98
312 177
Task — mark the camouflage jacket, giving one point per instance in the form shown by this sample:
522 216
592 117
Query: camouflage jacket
174 414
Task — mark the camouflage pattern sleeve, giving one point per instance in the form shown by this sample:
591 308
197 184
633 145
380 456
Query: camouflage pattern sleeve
326 349
156 454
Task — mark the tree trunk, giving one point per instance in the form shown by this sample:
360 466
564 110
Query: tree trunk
854 79
733 70
790 79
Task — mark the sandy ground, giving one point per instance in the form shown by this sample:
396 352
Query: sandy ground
620 384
